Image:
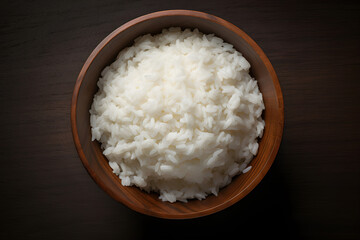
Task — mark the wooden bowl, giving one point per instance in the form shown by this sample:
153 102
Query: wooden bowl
105 53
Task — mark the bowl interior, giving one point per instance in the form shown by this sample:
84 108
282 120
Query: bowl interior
91 154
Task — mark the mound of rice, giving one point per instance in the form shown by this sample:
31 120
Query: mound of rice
178 113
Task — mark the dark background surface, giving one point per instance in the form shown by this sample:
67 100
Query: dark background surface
311 192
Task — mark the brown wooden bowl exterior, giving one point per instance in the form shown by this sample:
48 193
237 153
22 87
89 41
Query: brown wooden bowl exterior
105 53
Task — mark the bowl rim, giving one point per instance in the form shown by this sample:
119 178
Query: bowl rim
180 12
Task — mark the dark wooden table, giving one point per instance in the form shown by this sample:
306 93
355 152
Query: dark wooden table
311 192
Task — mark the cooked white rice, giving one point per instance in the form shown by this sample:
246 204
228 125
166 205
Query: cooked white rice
179 114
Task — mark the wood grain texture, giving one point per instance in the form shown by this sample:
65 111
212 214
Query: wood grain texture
311 190
105 53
